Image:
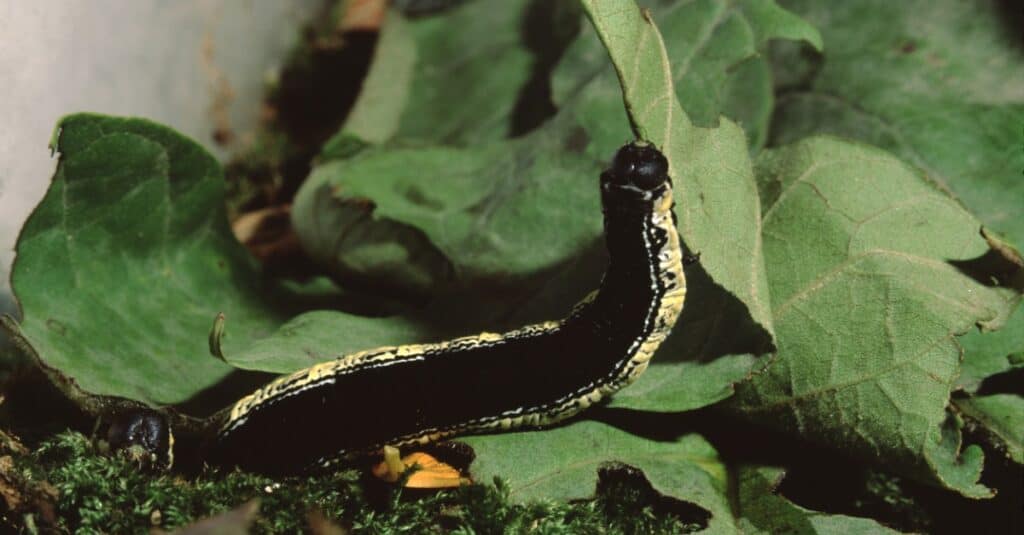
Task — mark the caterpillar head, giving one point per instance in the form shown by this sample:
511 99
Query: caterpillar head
146 437
639 170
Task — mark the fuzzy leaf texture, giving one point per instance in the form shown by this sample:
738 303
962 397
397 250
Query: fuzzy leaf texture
866 308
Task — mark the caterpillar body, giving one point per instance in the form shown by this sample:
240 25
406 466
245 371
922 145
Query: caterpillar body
530 377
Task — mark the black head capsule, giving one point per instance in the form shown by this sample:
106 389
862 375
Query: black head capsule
147 430
640 165
639 171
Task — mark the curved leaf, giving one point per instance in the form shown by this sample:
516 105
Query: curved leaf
125 263
377 113
104 263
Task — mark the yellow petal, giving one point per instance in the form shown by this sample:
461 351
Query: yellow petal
430 473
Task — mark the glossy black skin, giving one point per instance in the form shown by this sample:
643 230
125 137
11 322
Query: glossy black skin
639 165
148 429
372 407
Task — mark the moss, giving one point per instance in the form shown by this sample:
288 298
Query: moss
100 493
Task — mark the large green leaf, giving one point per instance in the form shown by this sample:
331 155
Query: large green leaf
124 264
866 307
941 85
105 272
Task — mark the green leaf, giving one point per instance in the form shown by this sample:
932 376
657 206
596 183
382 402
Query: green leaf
562 464
763 511
322 335
769 21
714 49
941 85
348 237
485 208
492 78
377 113
866 306
683 466
105 263
125 263
989 353
476 73
1002 416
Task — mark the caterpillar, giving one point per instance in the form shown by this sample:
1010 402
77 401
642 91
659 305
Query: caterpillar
530 377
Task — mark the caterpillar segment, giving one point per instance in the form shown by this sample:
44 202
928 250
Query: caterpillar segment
530 377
